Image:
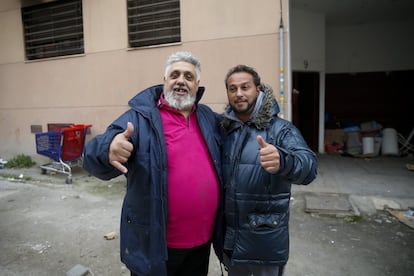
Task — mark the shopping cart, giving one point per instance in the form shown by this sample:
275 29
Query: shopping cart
64 147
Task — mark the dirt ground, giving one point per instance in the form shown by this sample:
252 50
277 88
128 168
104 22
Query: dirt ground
47 227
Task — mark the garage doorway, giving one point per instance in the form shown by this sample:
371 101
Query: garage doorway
305 106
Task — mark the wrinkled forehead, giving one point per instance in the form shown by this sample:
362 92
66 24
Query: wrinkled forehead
181 66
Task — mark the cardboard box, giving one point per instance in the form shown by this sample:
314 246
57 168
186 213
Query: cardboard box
334 136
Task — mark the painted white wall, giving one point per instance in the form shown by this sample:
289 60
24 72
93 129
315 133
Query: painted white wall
307 30
379 46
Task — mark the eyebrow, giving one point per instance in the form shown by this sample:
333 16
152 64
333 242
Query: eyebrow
241 84
183 72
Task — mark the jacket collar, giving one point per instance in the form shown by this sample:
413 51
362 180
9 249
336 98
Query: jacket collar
148 99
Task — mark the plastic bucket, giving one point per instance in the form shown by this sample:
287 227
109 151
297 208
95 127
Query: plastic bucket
368 145
389 142
377 145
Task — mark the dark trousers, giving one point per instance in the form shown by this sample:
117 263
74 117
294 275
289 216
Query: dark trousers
188 262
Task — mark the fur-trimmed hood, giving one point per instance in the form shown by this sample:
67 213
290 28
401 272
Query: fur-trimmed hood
266 108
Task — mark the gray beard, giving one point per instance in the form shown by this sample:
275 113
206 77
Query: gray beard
179 102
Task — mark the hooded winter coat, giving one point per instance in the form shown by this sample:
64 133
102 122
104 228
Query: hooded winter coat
257 202
145 206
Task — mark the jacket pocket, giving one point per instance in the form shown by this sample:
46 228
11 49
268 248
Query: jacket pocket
135 246
261 221
141 244
264 240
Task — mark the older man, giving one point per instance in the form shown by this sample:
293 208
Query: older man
167 145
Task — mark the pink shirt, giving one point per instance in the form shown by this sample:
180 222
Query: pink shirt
193 188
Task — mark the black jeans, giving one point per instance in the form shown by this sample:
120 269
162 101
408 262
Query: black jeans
188 262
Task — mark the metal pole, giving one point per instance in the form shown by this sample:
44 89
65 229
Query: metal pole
281 67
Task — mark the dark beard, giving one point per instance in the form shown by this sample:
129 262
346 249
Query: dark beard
248 110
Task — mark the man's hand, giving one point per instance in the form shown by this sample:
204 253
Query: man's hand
269 156
120 148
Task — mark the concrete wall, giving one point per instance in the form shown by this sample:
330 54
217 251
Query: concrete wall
94 88
308 39
373 47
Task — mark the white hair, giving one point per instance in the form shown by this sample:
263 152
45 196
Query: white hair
184 56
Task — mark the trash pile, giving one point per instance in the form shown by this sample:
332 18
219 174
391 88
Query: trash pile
2 163
367 139
404 216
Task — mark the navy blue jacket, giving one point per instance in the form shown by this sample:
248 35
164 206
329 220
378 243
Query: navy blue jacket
144 210
257 202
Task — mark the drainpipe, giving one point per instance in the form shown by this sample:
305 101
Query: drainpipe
281 67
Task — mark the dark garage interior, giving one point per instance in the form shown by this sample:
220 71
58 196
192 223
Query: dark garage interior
383 97
366 68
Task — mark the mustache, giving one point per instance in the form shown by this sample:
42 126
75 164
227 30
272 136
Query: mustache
181 87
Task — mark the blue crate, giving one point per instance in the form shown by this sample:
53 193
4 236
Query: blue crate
49 144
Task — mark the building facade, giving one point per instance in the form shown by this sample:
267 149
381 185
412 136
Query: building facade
89 57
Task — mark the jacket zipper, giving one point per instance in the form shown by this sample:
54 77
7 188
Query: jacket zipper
162 190
237 153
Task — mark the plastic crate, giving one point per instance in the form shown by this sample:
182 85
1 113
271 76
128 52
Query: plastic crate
73 142
65 147
49 144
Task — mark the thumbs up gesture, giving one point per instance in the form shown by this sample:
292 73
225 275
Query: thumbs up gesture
269 156
120 148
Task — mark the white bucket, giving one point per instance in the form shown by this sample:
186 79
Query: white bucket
377 145
368 145
389 142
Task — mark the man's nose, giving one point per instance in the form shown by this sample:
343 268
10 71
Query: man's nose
180 79
239 92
